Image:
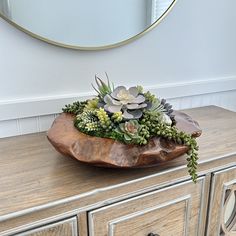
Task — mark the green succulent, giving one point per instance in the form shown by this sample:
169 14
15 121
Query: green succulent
92 126
129 129
87 121
127 101
92 104
103 118
171 133
117 117
153 125
160 106
103 88
140 89
150 97
75 108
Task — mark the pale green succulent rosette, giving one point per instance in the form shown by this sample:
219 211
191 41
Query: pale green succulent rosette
131 116
127 101
129 130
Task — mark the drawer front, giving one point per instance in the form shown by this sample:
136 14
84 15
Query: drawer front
222 208
62 228
178 210
154 219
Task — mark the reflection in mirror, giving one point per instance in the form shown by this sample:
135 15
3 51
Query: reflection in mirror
230 209
85 23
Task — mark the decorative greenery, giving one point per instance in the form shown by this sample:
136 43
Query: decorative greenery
75 108
131 116
129 130
128 101
102 88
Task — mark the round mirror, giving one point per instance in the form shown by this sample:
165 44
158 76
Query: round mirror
84 24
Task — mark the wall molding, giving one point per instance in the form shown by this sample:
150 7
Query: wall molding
36 124
41 106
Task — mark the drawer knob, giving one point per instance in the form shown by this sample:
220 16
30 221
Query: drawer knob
152 234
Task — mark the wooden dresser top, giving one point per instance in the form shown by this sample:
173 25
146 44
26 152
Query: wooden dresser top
32 173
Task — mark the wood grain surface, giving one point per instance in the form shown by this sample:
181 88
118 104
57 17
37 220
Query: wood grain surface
64 228
174 211
33 175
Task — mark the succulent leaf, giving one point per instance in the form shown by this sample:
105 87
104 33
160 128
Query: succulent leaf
127 115
122 127
139 99
102 88
127 101
140 89
112 108
127 137
92 104
117 90
134 91
117 117
166 119
132 114
111 101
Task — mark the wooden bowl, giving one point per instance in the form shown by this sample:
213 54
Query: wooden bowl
111 153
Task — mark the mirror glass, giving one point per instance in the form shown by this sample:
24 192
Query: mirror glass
85 23
230 208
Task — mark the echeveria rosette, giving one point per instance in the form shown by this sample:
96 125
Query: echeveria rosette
128 101
129 130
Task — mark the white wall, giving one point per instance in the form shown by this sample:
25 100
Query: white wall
192 52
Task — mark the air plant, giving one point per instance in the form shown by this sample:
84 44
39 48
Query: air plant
103 88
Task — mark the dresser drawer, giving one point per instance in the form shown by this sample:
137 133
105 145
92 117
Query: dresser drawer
177 210
63 228
222 210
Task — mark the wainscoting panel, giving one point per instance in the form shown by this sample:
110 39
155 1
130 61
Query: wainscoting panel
28 125
226 100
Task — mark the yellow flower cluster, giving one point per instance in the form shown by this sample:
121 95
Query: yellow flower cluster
91 126
117 117
92 104
103 118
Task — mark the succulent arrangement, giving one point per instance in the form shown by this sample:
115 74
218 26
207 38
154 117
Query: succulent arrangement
131 116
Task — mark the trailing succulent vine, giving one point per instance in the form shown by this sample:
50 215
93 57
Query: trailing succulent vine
131 116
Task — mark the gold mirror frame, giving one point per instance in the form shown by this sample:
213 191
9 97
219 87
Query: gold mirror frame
91 48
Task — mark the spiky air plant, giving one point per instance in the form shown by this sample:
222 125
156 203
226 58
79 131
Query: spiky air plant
103 88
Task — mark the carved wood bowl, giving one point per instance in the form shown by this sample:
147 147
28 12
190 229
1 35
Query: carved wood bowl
107 152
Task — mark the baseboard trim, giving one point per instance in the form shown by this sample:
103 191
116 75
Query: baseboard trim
40 106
